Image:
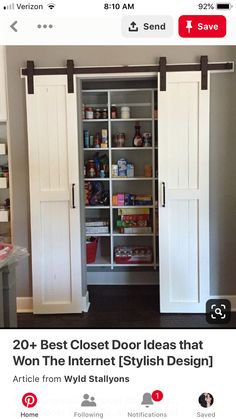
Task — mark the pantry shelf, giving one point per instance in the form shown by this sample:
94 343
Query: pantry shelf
132 206
119 178
98 234
95 120
131 119
117 134
133 234
130 148
143 105
132 265
95 207
95 179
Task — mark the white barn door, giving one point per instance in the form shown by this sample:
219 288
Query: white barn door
54 192
183 155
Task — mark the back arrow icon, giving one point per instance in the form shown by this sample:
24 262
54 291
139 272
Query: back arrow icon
12 26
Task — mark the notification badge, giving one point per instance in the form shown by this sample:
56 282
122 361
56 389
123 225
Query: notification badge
157 395
29 400
198 26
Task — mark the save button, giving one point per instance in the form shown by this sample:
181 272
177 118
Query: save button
195 26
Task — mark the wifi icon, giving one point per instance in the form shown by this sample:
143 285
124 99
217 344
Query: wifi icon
51 5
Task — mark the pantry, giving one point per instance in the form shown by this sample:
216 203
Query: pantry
119 181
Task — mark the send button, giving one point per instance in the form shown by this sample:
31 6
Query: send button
147 26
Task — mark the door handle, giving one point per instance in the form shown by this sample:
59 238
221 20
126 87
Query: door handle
73 195
163 194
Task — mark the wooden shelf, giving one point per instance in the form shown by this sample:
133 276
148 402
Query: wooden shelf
134 105
93 179
133 234
130 120
96 149
131 148
131 206
100 261
97 207
131 178
98 234
95 120
132 265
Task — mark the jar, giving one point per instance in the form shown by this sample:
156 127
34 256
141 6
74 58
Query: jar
89 113
104 113
97 113
147 139
113 112
102 173
120 140
125 112
91 169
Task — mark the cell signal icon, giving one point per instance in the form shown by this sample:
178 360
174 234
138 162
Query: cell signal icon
9 7
51 5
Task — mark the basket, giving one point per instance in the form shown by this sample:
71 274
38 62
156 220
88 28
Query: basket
91 250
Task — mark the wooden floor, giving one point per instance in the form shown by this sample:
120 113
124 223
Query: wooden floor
120 307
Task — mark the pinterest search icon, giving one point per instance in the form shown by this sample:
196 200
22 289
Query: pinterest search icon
29 400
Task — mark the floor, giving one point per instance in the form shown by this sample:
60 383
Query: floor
120 307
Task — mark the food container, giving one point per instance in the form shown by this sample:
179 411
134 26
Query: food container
89 113
125 112
133 255
91 141
148 170
91 169
104 113
114 170
147 139
120 140
130 170
122 167
97 141
113 112
86 138
97 113
120 199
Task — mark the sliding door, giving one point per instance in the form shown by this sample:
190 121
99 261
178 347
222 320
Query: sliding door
183 154
54 196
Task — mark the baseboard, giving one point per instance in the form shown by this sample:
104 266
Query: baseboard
24 304
85 303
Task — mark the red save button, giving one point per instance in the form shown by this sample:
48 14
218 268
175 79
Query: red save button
195 26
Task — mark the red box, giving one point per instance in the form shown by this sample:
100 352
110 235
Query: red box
91 250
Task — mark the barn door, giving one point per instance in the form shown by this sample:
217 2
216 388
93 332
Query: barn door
54 197
183 155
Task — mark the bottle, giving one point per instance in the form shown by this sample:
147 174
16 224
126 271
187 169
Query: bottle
137 140
86 138
113 112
